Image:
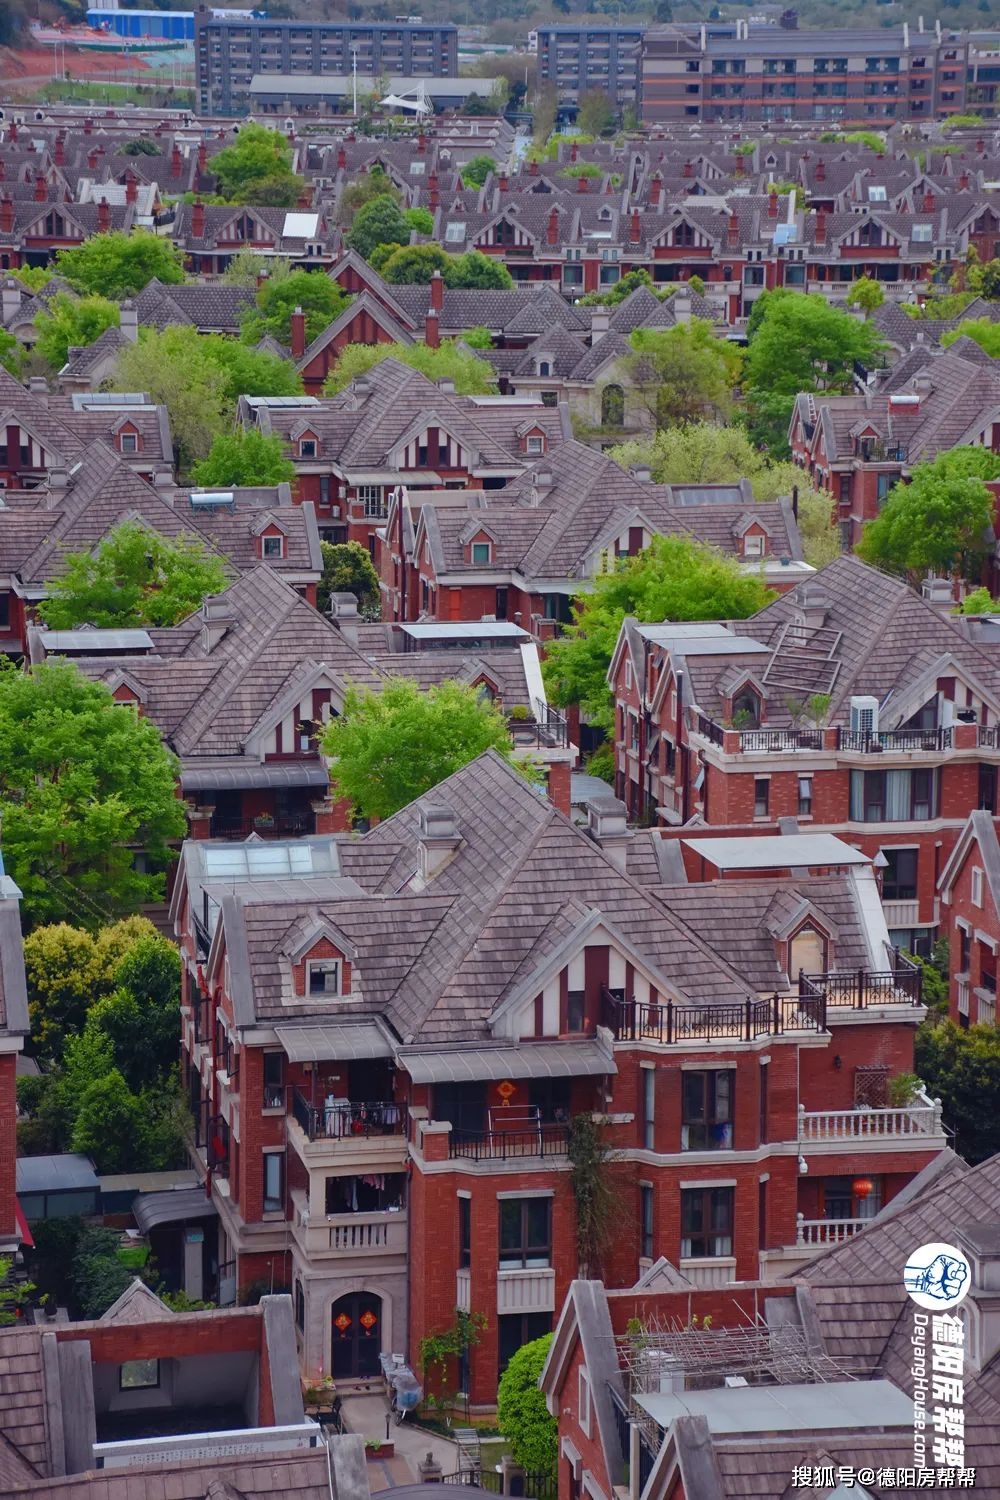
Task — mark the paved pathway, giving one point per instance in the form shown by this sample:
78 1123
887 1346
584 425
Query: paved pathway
366 1416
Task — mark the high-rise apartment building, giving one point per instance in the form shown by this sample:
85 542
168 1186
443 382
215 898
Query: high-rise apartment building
578 59
232 51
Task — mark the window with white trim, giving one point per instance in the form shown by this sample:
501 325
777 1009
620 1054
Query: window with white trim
481 552
977 886
753 545
535 444
324 976
129 442
373 500
307 447
273 546
583 1401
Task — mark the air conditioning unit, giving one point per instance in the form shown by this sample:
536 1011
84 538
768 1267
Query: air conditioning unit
864 715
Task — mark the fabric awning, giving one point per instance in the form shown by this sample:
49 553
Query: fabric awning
237 775
348 1041
532 1060
24 1233
151 1209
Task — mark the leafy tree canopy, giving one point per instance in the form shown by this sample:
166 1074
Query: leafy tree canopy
596 113
673 579
624 287
960 1067
85 781
69 968
476 171
522 1415
12 353
938 522
248 267
318 295
392 746
69 321
348 569
683 373
373 184
257 168
867 294
979 602
33 277
409 265
244 457
119 265
983 331
419 219
801 343
136 577
471 376
380 221
476 270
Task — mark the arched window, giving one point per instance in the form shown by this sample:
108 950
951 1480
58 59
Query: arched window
746 709
612 406
545 367
807 952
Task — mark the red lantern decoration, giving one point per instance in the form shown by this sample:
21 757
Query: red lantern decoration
862 1187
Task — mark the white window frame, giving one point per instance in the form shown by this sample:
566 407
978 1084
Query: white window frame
753 545
481 562
977 886
535 444
583 1401
330 968
129 442
305 443
267 548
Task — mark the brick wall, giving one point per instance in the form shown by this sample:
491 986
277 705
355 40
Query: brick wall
8 1141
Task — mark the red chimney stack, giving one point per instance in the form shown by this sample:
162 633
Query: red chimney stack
59 155
198 220
341 157
655 189
688 169
772 204
433 193
92 159
421 142
573 152
635 230
819 237
963 182
202 156
928 206
437 291
13 130
176 161
41 188
581 185
131 188
88 126
733 232
552 232
503 182
6 214
103 216
431 336
533 169
298 333
821 171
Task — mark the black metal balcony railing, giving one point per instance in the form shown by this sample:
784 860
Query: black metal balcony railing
293 826
506 1145
871 449
667 1023
989 736
547 730
711 730
857 989
344 1119
755 740
893 739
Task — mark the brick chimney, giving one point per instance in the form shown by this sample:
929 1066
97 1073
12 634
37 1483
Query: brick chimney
688 169
928 203
581 185
733 232
92 155
433 194
131 188
963 182
59 155
88 126
655 189
573 152
772 204
6 214
176 161
821 171
819 235
437 291
432 337
202 156
421 142
298 333
341 157
635 228
3 170
980 145
103 216
552 232
739 166
198 220
13 130
41 188
502 182
533 169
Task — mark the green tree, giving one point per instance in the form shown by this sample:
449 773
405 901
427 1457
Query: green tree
940 521
348 569
979 602
522 1415
421 220
961 1067
471 376
478 271
99 1277
596 114
392 746
802 343
476 171
380 221
683 373
319 297
248 267
982 331
69 321
623 288
33 277
544 113
246 456
672 579
867 294
410 265
373 184
135 577
119 265
110 1124
85 783
257 168
12 353
249 372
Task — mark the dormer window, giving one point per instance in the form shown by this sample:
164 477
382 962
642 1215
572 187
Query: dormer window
544 367
273 547
535 444
482 552
324 976
746 709
753 545
129 442
307 447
